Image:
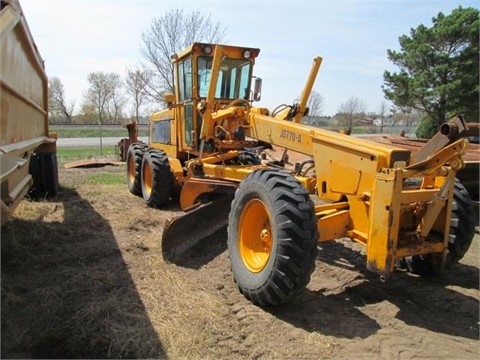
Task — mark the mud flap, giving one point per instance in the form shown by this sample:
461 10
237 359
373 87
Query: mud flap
184 232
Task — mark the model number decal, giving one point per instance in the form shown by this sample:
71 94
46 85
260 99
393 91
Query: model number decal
290 135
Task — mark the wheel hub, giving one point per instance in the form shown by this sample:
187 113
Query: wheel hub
255 240
266 237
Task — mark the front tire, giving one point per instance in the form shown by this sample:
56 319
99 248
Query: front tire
272 237
157 178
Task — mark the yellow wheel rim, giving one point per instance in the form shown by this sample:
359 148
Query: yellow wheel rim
131 169
255 235
147 178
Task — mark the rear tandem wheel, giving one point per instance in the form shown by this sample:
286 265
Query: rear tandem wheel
157 178
462 224
462 231
134 164
272 237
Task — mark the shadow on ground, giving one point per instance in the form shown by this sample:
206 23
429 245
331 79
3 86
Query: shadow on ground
66 291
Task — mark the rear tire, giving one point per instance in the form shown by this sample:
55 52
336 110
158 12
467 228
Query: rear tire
272 237
462 231
157 178
134 165
462 224
249 157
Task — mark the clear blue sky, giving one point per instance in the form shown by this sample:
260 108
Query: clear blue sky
78 37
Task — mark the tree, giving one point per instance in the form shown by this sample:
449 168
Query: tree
438 69
136 81
87 113
98 94
315 107
315 104
383 110
349 111
105 97
116 101
57 104
405 117
168 35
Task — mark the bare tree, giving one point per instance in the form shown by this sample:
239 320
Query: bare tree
105 96
406 117
315 108
136 85
167 35
315 104
98 95
383 111
57 104
117 100
349 111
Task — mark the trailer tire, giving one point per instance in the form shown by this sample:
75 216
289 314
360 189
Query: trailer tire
44 170
272 237
134 165
157 178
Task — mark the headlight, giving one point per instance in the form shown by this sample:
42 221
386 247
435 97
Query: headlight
207 50
246 54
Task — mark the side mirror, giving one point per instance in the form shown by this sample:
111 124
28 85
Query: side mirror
257 89
168 98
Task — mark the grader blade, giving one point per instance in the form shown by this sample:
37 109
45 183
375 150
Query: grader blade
186 231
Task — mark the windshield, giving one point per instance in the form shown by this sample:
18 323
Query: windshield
233 78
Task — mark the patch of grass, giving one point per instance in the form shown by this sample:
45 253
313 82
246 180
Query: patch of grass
93 131
79 133
105 179
65 154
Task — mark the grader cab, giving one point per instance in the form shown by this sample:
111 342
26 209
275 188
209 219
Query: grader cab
206 151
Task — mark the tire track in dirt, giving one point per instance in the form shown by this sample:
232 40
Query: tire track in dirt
262 334
256 332
246 317
274 332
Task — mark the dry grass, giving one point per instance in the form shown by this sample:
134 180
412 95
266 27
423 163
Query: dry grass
82 277
70 292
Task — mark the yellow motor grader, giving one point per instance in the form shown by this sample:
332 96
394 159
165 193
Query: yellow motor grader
207 152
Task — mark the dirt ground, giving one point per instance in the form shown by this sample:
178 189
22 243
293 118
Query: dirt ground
83 277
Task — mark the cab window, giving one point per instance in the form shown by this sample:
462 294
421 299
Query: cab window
233 78
185 80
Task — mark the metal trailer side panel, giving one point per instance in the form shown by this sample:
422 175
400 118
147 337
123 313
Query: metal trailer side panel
24 84
24 105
